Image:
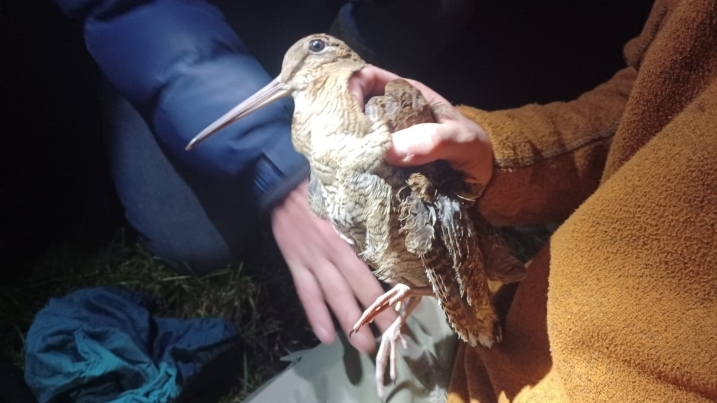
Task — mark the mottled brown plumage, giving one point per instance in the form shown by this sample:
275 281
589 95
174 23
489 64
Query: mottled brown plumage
414 226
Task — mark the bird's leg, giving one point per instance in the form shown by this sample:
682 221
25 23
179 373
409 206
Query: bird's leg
395 295
387 349
405 297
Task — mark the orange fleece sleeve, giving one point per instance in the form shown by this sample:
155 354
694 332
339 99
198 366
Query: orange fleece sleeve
549 158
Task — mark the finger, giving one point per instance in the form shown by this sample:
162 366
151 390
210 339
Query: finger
368 81
341 300
312 300
415 145
364 284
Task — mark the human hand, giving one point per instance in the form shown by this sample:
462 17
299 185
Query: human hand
455 138
326 272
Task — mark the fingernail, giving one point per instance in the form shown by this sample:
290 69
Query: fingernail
400 146
365 343
324 335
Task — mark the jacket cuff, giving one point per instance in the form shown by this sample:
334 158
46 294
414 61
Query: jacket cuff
278 171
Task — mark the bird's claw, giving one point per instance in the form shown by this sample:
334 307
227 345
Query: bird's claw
390 298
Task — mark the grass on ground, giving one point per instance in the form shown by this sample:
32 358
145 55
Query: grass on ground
257 296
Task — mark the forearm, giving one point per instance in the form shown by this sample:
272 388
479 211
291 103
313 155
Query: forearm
182 66
550 158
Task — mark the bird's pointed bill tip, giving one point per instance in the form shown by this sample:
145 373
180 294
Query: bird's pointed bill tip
204 134
271 92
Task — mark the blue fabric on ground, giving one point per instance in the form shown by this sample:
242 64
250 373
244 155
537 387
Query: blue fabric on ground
103 344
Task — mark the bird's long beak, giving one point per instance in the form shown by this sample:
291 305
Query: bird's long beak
271 92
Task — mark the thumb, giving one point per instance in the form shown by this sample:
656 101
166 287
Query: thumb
416 145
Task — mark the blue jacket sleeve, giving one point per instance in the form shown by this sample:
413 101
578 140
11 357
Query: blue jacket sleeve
182 66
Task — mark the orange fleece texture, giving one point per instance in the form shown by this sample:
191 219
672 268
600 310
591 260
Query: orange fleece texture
622 305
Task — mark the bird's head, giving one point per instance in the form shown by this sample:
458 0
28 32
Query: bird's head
306 61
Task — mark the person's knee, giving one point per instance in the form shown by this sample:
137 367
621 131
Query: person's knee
188 252
173 222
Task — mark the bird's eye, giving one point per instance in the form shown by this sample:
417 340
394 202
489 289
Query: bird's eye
317 45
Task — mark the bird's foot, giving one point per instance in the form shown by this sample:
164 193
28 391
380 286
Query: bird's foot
405 299
387 351
393 297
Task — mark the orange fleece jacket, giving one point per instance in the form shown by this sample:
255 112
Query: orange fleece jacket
621 306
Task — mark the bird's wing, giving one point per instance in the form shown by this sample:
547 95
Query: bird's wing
500 265
467 260
439 230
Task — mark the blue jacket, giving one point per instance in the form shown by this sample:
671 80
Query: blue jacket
182 66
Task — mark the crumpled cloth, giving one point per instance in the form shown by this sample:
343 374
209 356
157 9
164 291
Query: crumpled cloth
103 344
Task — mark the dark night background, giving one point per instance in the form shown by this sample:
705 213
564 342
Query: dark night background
54 180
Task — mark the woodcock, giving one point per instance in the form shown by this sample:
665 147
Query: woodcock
414 226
